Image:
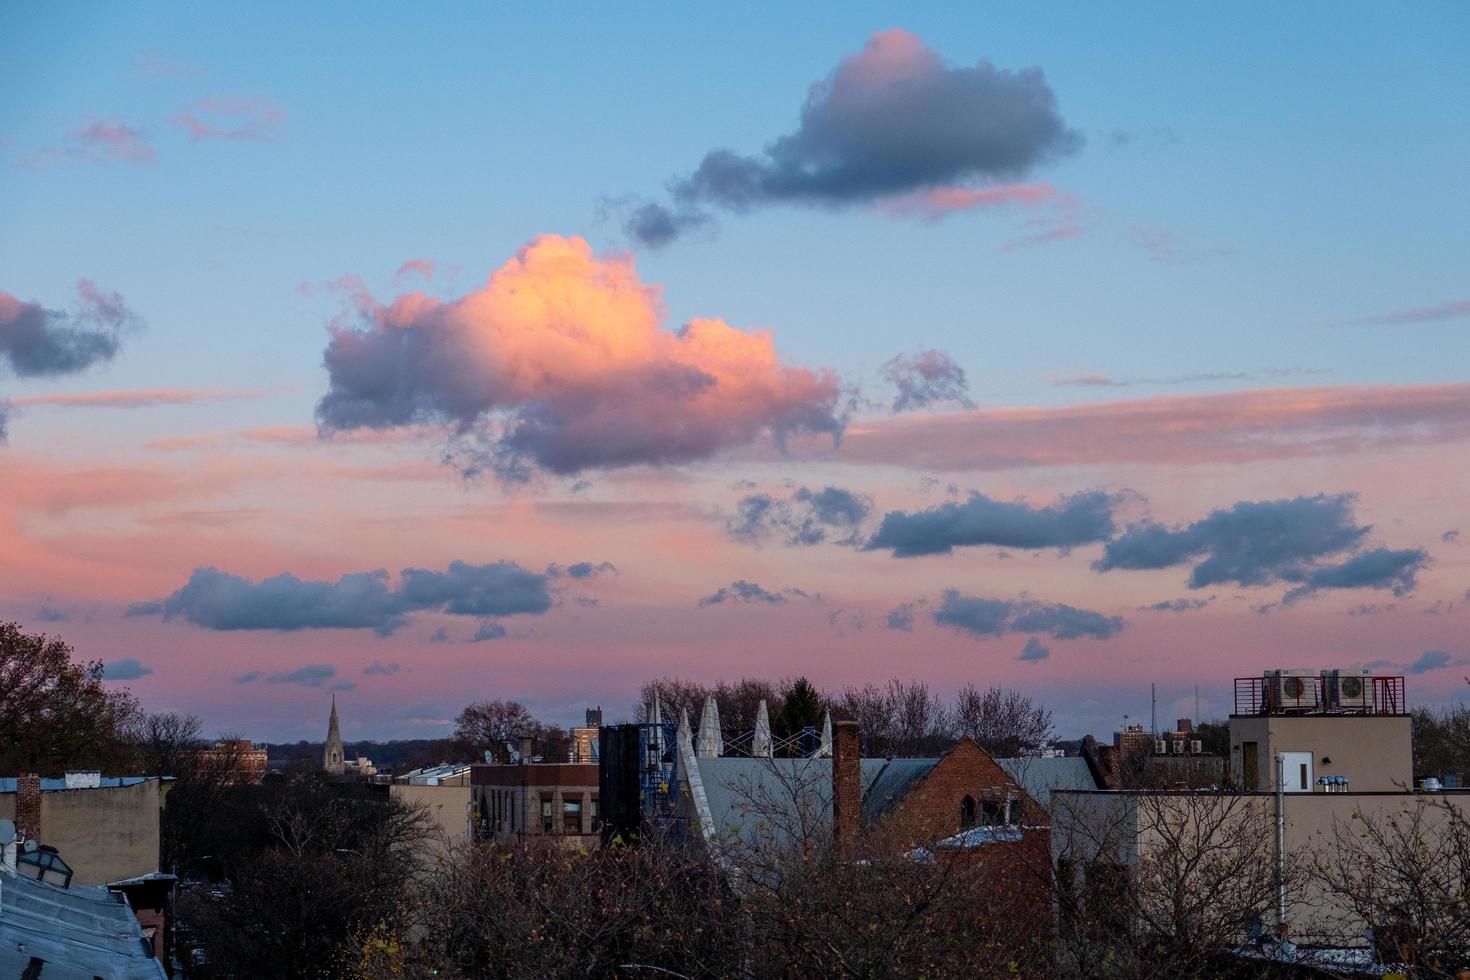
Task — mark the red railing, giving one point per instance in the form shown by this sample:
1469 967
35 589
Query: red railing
1319 695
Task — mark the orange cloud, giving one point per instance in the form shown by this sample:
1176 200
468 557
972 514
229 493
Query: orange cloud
560 363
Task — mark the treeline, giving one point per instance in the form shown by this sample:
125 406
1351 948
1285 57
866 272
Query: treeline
900 718
394 755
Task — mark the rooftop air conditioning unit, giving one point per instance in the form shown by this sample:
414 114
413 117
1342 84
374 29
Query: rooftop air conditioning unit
1196 747
1161 747
1291 690
1348 690
1178 748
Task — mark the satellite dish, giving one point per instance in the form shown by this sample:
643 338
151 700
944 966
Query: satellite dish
7 832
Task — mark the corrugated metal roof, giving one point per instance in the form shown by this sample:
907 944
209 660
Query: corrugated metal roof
80 932
781 799
7 783
1040 777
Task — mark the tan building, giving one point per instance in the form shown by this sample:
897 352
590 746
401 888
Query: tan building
244 762
536 799
105 829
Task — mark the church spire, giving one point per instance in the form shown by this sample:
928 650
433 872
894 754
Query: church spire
332 758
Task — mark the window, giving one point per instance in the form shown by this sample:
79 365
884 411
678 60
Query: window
994 814
571 817
967 813
546 819
596 819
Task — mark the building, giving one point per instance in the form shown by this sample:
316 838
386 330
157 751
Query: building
527 798
107 828
333 756
1336 745
241 760
445 795
1139 759
584 739
74 931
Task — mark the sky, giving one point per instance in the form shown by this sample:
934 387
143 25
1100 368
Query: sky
426 356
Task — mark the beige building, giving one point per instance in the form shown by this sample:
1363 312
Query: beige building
106 829
1373 753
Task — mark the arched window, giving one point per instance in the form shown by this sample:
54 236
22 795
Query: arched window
967 813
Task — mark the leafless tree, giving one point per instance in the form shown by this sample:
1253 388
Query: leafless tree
1406 876
491 725
1002 722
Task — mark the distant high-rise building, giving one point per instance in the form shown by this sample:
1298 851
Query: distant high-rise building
332 760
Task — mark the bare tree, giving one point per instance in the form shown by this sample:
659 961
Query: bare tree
1405 876
490 725
1002 722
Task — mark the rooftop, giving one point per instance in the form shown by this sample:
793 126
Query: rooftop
79 932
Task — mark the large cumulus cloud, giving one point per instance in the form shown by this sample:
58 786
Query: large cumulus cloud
1313 542
892 119
219 600
1079 519
559 363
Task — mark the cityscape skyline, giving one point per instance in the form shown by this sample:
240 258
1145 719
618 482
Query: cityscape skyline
943 345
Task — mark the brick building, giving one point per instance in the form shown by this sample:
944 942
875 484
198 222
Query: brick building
535 799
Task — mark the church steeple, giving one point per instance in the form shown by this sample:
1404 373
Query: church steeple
332 758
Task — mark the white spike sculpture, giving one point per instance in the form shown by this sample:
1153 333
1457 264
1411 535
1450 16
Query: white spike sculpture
711 741
760 742
655 711
686 734
825 749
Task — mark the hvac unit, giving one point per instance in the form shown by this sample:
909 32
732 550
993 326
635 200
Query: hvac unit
1348 690
1161 747
1196 747
1291 690
1178 748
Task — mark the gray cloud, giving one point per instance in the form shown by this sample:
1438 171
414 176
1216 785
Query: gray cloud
901 617
126 669
1078 519
1450 536
743 591
249 677
48 613
312 675
1433 660
1176 605
4 419
979 616
808 517
379 668
582 569
489 630
1380 568
927 378
361 600
1034 651
37 342
1255 543
890 120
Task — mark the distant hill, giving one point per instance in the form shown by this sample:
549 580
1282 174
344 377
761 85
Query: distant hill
396 755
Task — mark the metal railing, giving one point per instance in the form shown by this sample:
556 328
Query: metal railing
1319 695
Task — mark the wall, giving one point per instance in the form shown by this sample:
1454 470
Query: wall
448 809
104 834
932 808
1373 751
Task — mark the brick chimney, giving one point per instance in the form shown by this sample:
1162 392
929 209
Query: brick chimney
28 805
528 746
847 784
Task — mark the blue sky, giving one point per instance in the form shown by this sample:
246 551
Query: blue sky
1293 167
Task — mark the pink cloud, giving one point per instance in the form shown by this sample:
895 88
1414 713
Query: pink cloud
1421 314
939 202
1165 245
423 268
109 139
138 397
559 363
1271 423
226 117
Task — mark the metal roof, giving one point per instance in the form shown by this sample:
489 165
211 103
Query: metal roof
752 798
79 932
1039 777
7 783
892 782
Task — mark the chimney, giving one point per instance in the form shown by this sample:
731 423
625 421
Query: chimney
528 745
28 805
847 784
1184 725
